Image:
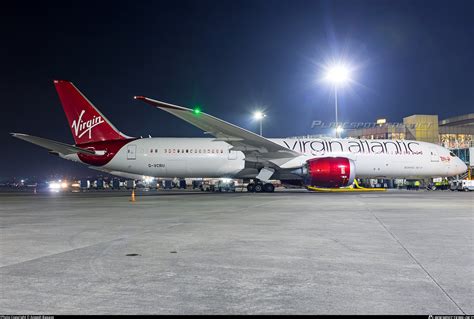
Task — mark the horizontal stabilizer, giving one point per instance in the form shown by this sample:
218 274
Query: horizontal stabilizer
53 146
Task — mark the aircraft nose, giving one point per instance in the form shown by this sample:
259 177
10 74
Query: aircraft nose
461 167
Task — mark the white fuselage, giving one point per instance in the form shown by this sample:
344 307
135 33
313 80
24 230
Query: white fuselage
204 157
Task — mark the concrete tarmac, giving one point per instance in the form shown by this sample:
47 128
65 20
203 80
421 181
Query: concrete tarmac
400 252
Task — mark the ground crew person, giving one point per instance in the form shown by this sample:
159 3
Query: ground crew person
417 185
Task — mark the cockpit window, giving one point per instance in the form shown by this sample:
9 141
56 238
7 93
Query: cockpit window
452 154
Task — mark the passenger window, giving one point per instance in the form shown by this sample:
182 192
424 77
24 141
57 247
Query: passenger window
156 150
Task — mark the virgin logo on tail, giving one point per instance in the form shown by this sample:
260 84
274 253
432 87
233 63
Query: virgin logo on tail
80 127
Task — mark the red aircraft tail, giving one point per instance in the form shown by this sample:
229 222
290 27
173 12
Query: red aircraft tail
86 122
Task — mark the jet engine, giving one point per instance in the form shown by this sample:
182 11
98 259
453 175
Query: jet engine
331 172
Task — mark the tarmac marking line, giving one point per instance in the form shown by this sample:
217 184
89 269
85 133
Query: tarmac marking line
414 259
135 234
111 241
63 252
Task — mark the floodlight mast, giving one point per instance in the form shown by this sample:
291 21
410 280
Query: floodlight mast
259 115
338 75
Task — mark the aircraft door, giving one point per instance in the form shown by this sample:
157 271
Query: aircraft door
434 154
232 155
131 152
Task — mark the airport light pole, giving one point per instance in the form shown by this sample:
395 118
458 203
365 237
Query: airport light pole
259 115
335 109
338 75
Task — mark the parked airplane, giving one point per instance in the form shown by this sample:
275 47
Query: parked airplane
237 153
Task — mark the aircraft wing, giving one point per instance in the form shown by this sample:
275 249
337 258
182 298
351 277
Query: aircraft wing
53 146
241 139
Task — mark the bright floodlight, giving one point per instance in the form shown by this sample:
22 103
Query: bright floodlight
54 185
148 179
339 129
338 74
258 115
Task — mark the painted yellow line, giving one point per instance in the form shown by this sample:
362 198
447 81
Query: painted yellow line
353 188
342 190
356 184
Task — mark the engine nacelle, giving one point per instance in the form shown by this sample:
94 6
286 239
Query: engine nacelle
330 172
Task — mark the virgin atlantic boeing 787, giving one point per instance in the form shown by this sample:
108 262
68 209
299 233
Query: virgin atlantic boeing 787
237 153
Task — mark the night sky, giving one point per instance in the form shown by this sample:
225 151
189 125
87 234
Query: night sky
229 57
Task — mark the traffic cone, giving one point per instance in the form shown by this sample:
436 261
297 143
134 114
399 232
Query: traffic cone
133 196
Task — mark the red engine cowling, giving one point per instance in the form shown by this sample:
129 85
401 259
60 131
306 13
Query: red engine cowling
330 172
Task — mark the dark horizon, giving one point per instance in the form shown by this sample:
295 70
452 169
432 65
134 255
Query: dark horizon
411 57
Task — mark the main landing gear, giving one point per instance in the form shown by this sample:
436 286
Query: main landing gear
260 187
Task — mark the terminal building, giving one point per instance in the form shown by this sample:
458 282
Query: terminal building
455 133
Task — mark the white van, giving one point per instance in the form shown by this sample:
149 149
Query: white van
465 185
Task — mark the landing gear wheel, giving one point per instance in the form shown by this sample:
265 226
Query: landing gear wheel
258 188
251 187
268 187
